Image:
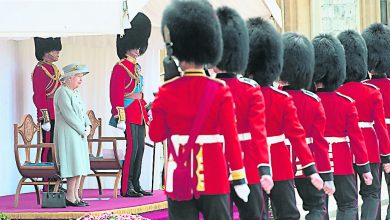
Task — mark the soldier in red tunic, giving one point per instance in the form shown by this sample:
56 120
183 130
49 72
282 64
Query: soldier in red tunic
250 112
369 104
45 80
297 75
341 125
195 114
265 65
128 105
377 37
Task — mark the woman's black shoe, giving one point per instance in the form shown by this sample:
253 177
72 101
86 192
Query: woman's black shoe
83 202
76 203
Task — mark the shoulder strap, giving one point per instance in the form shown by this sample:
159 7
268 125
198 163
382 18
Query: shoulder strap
203 108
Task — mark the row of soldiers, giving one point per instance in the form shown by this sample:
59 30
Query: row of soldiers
303 116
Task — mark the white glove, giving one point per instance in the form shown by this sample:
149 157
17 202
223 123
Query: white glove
46 126
329 188
386 167
87 130
150 116
266 183
121 125
242 191
316 181
367 178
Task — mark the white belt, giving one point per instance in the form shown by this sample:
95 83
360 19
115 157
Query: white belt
201 139
245 136
363 124
334 140
309 140
387 120
275 139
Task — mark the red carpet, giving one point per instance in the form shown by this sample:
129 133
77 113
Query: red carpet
29 209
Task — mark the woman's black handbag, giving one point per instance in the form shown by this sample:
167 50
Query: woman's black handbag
54 199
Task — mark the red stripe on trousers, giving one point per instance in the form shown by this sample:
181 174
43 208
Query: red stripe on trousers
126 165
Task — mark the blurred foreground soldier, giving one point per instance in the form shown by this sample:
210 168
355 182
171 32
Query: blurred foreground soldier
265 65
46 81
342 131
377 37
128 104
250 112
297 75
369 104
195 114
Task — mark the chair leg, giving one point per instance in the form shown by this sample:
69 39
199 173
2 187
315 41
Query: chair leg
99 182
117 178
37 192
81 186
16 203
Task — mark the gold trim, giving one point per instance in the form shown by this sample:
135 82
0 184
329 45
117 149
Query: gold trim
121 114
131 59
67 215
133 76
194 72
45 115
238 174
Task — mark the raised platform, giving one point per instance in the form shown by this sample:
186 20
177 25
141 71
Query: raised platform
29 209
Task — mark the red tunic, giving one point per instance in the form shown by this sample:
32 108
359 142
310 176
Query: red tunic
282 120
126 84
45 80
174 110
311 114
250 113
342 121
369 104
383 84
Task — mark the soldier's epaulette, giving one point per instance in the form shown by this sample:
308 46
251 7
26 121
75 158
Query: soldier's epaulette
279 91
171 80
218 80
371 85
313 95
346 97
248 81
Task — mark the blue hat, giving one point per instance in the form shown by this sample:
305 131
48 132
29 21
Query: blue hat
73 69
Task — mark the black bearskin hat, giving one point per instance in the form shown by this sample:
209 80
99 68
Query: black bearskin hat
298 66
235 40
135 37
377 37
355 55
45 45
329 66
266 52
194 31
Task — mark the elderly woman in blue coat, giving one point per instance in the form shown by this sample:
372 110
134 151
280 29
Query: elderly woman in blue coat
71 130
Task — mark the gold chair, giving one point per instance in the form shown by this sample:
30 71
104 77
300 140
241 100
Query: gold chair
33 170
102 166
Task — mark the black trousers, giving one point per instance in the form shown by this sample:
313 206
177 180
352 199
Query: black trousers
132 173
346 197
370 194
313 199
254 208
212 207
46 154
283 201
387 179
